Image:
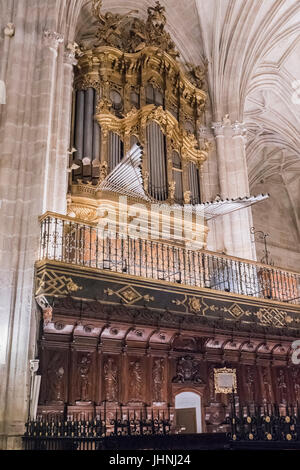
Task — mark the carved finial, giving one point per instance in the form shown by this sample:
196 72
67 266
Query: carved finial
157 15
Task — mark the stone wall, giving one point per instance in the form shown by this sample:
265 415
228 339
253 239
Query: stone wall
34 135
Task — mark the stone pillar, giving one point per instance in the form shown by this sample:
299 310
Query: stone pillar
233 183
60 157
34 134
51 43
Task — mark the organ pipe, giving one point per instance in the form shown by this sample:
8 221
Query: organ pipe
115 150
177 177
88 123
79 120
96 134
157 162
194 183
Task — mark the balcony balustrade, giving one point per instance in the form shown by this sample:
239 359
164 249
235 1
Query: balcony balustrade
74 243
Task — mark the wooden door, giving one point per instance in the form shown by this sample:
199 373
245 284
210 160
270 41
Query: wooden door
186 419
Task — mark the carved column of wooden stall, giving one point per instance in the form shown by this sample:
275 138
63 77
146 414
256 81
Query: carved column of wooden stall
84 375
55 363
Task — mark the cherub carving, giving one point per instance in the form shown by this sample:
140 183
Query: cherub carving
109 29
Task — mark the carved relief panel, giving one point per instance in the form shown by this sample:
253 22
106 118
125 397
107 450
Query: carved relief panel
111 379
84 377
266 385
250 384
281 385
136 380
55 377
295 383
158 380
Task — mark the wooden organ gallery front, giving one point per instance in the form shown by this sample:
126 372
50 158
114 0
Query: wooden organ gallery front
133 335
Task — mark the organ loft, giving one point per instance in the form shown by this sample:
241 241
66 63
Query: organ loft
141 315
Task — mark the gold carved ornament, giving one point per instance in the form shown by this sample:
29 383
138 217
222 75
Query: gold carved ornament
50 283
129 54
132 34
181 140
129 295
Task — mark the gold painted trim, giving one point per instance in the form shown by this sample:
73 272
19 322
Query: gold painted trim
204 291
182 141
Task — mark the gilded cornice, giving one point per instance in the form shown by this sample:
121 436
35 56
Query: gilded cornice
110 65
181 140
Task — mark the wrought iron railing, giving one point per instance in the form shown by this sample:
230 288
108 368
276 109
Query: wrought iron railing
53 432
268 422
72 242
122 425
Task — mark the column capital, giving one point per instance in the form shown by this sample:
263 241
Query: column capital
52 39
238 129
218 128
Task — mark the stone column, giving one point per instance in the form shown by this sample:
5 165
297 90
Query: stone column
51 43
62 144
233 183
29 170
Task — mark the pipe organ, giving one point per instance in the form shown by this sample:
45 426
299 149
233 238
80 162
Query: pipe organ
133 320
130 87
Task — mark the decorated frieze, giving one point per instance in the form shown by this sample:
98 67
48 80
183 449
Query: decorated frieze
172 303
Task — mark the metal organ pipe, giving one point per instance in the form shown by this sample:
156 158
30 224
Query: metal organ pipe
177 176
79 120
88 123
164 171
114 150
157 161
194 183
96 133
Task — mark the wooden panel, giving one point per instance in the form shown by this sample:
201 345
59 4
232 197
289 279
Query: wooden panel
186 420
